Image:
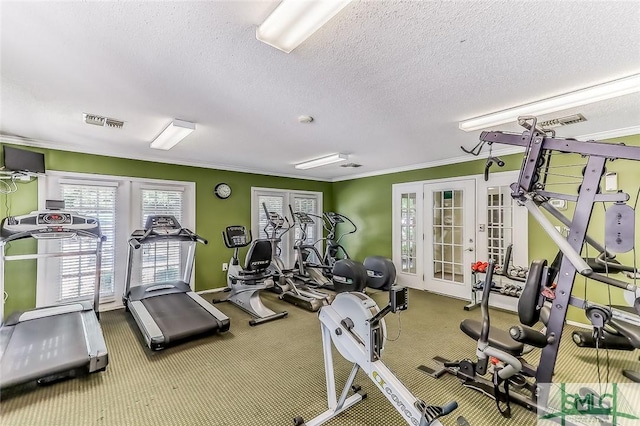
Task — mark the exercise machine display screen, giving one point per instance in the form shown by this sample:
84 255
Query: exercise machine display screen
55 219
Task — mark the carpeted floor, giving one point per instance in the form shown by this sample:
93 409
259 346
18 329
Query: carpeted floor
268 374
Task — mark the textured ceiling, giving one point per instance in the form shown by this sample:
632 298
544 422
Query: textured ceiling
386 81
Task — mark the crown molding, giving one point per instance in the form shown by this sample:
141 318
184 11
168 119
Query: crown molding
611 134
429 164
50 145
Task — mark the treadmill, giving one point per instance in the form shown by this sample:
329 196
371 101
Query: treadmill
56 342
169 311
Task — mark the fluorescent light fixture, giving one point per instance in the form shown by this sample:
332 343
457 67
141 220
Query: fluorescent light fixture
174 133
601 92
293 21
323 161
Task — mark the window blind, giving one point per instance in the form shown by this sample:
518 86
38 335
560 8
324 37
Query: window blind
274 203
306 205
77 273
161 262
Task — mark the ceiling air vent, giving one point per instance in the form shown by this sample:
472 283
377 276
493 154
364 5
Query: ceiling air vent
563 121
354 165
98 120
116 124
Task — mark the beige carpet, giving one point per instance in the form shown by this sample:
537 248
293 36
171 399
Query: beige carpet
268 374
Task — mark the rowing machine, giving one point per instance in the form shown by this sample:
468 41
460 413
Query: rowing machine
355 324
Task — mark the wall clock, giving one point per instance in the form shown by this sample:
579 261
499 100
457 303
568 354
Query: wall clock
222 191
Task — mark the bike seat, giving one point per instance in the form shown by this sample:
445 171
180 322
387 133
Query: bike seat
498 338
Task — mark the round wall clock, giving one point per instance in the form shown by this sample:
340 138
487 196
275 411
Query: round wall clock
222 191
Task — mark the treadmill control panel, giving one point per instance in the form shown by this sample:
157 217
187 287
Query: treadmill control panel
55 218
163 225
48 224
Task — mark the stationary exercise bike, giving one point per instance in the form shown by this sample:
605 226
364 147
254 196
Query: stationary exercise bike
356 326
245 283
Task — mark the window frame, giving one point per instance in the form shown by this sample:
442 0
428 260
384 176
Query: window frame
288 195
128 217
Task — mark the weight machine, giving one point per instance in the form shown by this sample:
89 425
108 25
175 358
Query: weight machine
552 285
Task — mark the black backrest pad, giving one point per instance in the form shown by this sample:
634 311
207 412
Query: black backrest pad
528 311
259 256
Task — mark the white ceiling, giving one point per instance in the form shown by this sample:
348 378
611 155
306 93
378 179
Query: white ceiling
386 81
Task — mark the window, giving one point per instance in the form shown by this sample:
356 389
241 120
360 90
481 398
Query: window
77 273
121 204
408 234
499 222
161 261
277 200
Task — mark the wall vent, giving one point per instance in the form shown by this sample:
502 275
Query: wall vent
354 165
98 120
563 121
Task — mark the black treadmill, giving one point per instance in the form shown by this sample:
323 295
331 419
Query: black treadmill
54 342
168 312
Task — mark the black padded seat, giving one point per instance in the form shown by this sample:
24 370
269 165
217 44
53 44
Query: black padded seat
498 339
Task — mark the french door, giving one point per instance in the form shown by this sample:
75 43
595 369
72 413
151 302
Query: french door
449 237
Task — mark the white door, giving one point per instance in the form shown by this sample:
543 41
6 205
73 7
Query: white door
449 237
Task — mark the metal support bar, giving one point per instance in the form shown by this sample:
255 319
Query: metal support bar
566 276
591 148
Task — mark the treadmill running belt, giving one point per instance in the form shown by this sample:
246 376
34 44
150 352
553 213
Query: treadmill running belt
179 316
42 347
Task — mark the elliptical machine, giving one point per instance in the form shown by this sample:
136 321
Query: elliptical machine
310 273
245 283
355 324
289 291
335 251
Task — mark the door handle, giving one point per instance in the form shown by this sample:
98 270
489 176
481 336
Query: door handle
469 249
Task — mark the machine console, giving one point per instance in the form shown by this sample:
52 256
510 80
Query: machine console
398 298
163 224
334 217
47 224
276 219
304 218
236 236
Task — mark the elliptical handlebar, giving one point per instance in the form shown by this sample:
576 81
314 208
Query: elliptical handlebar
334 218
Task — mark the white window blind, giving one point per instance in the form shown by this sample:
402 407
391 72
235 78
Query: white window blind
77 273
306 205
161 262
274 203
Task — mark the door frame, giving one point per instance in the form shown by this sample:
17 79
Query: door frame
441 286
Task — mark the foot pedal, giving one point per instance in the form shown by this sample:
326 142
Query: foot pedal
461 421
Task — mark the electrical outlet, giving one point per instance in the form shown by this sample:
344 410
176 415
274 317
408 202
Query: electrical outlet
225 266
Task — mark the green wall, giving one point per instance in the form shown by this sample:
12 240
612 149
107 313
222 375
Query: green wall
367 201
212 214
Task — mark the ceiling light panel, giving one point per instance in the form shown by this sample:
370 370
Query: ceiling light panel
612 89
172 134
323 161
293 21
